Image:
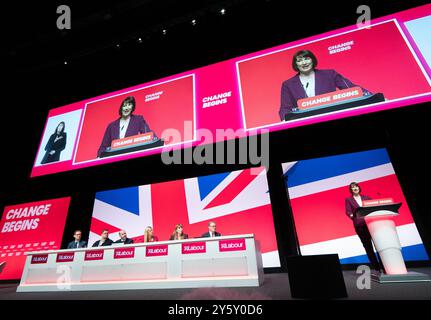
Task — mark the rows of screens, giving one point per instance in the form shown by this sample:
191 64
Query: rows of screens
357 70
239 203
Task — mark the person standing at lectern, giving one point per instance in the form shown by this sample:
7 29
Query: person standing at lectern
104 240
123 238
211 231
178 233
77 243
55 144
309 82
352 203
126 125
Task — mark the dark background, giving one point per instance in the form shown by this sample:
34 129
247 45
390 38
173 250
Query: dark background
103 54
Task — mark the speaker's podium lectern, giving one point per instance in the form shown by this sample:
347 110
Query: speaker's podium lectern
379 219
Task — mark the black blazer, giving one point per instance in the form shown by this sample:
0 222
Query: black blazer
207 234
107 242
56 146
127 241
81 244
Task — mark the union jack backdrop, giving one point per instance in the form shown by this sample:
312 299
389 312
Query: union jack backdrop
317 189
237 201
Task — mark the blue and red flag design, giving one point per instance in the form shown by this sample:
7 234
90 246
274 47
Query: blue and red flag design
237 201
317 189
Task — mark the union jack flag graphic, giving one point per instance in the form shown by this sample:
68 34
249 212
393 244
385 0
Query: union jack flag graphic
317 189
237 201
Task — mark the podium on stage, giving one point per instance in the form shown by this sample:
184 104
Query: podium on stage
379 218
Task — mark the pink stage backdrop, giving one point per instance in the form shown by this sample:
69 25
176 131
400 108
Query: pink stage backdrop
243 94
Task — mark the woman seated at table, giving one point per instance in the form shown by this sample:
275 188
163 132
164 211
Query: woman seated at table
149 236
178 233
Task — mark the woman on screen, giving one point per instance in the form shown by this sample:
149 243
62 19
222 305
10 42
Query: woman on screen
126 125
309 82
149 236
178 233
55 144
352 203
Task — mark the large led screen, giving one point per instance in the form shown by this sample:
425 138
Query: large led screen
27 227
238 202
318 189
342 73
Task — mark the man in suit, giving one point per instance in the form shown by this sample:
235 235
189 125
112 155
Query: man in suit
126 125
211 231
77 243
123 238
104 239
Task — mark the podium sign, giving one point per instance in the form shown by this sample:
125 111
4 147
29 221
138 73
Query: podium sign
377 202
380 223
330 98
132 140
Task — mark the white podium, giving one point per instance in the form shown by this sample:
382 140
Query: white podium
229 261
379 219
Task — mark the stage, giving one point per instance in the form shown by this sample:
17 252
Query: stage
275 287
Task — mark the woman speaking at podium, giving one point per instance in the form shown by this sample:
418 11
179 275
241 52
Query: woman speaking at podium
309 82
126 125
352 203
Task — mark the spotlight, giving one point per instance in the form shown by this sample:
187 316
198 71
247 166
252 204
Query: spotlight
164 31
118 46
193 22
139 40
222 11
65 62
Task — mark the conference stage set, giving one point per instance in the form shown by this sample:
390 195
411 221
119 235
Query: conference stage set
128 192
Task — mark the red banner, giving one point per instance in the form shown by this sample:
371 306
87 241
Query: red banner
231 245
194 247
330 98
155 251
131 141
65 257
377 202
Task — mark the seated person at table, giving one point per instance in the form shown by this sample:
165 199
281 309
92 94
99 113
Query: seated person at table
211 231
309 82
149 236
104 240
123 238
77 243
178 233
126 125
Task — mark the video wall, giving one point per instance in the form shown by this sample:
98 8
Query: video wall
35 226
238 202
318 189
342 73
